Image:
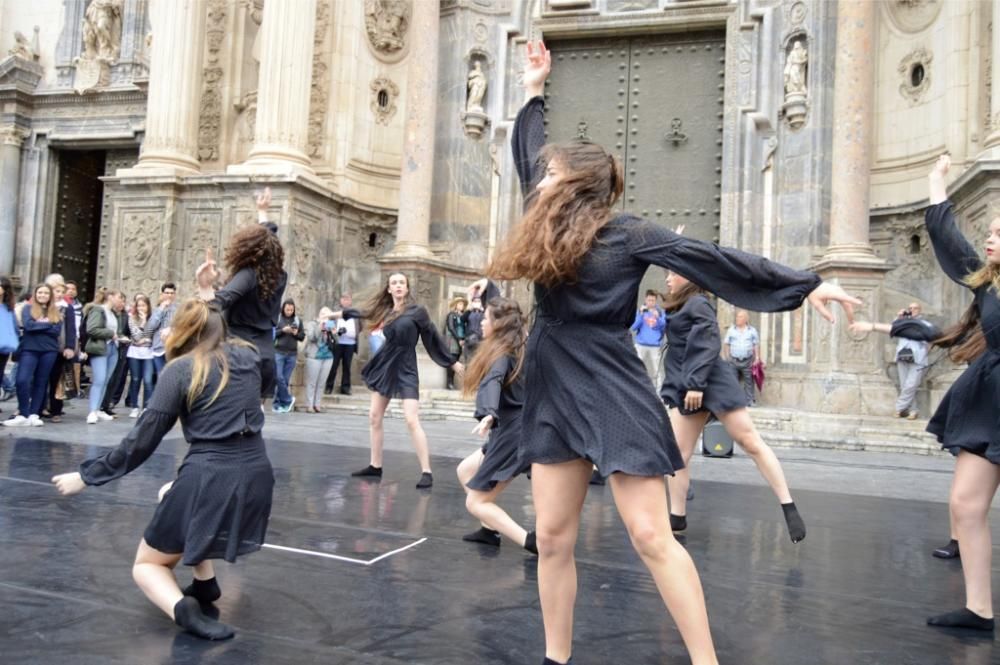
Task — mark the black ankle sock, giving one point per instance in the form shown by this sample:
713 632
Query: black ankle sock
549 661
426 480
188 615
369 472
530 544
678 522
949 551
483 535
596 478
796 527
963 618
204 591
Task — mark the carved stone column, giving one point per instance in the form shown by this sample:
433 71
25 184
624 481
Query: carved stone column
171 142
10 178
416 180
282 126
993 140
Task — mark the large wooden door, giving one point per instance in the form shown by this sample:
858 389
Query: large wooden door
78 217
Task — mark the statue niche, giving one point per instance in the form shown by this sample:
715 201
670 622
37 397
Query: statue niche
102 39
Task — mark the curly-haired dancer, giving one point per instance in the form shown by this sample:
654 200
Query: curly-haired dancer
252 294
588 399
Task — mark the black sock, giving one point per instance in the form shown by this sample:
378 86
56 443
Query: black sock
549 661
529 543
949 551
796 527
483 535
369 472
596 478
188 615
678 522
963 618
204 591
426 480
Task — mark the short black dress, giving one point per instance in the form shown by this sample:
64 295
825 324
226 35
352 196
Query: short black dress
587 394
220 502
969 415
392 372
693 363
501 461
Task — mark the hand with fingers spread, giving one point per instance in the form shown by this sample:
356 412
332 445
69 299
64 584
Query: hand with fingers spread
207 272
69 484
825 293
483 427
263 200
936 180
536 69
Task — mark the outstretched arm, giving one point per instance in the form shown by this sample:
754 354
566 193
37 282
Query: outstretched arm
528 136
957 256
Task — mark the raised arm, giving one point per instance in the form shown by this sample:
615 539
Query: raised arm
528 136
957 256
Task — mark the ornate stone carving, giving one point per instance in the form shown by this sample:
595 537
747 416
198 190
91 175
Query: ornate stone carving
913 15
476 84
915 71
23 47
796 73
140 246
386 24
384 96
305 240
210 116
11 135
474 117
102 37
319 95
796 12
204 231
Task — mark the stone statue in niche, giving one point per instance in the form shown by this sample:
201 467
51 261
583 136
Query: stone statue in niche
796 92
386 23
477 88
102 38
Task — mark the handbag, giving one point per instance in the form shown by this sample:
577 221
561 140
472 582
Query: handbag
757 373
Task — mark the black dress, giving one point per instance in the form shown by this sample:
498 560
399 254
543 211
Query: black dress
693 362
219 505
969 415
504 402
587 392
392 372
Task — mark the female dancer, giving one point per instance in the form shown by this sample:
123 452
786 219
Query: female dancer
968 417
698 382
588 399
219 504
42 322
392 372
252 294
496 370
139 355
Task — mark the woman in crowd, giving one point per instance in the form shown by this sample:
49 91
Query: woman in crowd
392 372
288 333
67 349
8 325
101 321
588 400
699 383
497 372
968 418
319 357
42 322
140 355
219 504
455 329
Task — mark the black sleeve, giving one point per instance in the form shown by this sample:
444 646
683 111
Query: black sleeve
449 323
957 256
69 325
488 394
703 344
147 433
526 142
436 345
241 284
351 313
301 334
492 291
920 330
743 279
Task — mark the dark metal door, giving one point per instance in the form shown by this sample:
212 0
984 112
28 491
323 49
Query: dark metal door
78 217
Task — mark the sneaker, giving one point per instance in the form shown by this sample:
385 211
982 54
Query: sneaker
101 415
291 405
913 415
34 420
92 418
134 413
16 421
275 407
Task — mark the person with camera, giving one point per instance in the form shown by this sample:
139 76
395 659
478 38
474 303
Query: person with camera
915 335
288 333
473 319
650 326
321 340
343 350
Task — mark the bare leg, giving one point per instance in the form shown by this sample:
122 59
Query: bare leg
483 506
411 411
975 483
558 491
641 505
687 429
739 426
376 413
467 468
153 571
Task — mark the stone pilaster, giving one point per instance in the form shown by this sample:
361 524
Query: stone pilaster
10 176
171 143
993 139
282 127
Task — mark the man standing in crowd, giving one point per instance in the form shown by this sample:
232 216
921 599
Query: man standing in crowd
742 349
159 324
343 353
649 327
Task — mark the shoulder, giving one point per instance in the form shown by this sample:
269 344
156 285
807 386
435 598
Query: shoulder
242 354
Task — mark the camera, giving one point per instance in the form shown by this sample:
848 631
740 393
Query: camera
907 313
341 331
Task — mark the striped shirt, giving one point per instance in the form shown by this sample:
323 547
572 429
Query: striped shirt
742 342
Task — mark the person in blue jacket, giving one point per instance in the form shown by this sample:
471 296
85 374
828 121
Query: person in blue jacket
650 326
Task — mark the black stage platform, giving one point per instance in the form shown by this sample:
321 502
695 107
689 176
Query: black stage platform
377 574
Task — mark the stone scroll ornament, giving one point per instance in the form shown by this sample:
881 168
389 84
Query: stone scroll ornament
102 39
795 77
386 24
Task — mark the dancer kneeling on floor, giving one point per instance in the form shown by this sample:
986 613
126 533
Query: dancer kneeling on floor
219 504
698 382
497 371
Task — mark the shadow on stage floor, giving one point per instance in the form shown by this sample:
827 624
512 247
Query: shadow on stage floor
376 573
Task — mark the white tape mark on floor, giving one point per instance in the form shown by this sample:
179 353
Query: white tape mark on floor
338 557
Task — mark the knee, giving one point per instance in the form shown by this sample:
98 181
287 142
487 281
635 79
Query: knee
472 502
649 541
749 441
554 542
374 420
964 508
413 423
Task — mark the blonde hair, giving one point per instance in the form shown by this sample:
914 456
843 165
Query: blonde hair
988 274
51 310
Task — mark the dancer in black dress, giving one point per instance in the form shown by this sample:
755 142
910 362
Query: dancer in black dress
968 417
698 382
497 371
392 372
253 291
588 398
219 504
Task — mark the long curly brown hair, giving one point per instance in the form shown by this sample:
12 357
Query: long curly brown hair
507 338
255 247
560 223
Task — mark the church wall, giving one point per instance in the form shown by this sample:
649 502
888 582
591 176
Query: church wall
23 16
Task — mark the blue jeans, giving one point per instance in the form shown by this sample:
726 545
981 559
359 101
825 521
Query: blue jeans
140 369
33 371
285 365
375 343
102 367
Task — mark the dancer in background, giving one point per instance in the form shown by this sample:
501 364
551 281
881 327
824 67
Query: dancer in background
392 372
219 504
588 399
497 372
698 383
